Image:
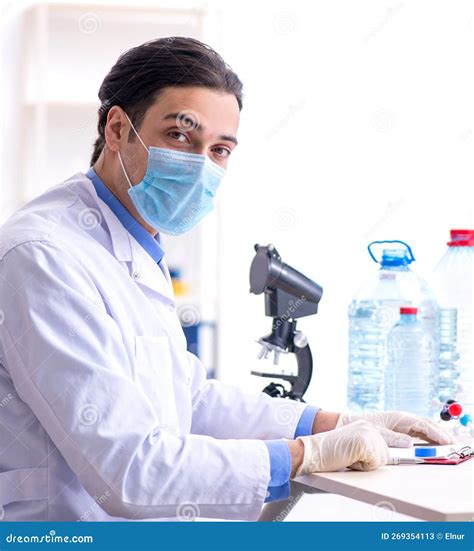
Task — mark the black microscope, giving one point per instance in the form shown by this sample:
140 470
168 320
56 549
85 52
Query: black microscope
289 295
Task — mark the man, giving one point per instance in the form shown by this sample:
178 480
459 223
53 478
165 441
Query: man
105 415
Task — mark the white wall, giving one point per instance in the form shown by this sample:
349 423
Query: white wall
12 36
358 125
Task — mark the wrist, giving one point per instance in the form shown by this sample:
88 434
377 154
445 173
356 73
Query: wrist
324 421
297 455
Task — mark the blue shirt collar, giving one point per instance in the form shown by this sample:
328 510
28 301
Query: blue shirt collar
147 241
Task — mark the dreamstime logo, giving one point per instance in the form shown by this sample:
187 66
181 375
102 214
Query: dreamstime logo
187 120
387 316
89 218
290 113
89 414
71 331
384 120
284 218
187 511
390 210
192 214
286 414
292 501
188 315
86 125
390 13
289 314
98 502
384 510
465 134
6 400
89 23
284 23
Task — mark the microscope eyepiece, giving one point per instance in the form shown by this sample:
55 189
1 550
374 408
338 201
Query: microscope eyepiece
283 284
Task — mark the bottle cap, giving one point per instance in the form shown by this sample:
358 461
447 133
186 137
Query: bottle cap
461 238
393 256
408 310
425 452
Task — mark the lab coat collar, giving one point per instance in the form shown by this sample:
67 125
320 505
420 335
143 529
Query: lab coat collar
118 234
151 244
144 270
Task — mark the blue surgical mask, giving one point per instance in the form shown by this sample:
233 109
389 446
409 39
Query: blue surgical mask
177 190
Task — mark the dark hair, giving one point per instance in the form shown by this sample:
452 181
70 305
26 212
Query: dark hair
140 74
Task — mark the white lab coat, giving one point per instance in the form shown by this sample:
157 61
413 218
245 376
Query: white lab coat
104 415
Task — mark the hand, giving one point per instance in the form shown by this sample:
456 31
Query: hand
397 427
358 446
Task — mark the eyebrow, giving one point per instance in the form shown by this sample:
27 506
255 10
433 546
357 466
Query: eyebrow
199 128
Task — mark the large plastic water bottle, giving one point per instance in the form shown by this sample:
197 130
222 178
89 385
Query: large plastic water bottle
373 312
454 287
410 375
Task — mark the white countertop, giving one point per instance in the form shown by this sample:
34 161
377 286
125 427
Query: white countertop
428 492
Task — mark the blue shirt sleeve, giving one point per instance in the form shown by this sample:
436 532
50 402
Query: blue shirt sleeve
305 424
280 457
280 470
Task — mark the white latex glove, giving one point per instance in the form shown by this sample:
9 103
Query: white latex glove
358 446
397 427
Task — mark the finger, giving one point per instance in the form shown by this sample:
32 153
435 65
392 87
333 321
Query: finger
395 439
371 462
373 451
429 431
363 466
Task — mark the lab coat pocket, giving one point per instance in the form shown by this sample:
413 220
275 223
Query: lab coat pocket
23 485
154 375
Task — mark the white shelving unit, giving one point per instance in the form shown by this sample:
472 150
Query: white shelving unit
57 62
67 51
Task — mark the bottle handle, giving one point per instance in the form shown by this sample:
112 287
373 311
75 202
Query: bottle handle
412 258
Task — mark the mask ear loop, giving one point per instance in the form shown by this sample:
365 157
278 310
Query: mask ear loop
138 135
118 152
123 169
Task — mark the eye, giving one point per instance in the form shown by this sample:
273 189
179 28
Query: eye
178 136
222 151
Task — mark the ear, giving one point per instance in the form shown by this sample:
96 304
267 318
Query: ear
116 128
